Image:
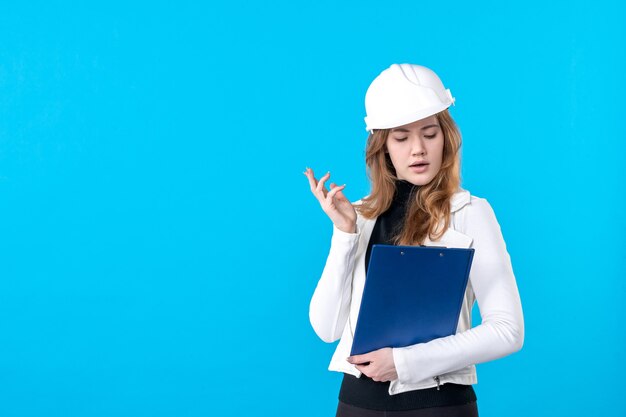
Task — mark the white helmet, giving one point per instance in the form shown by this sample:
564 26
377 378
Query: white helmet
404 93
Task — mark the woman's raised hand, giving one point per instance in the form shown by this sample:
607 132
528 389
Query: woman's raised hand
333 202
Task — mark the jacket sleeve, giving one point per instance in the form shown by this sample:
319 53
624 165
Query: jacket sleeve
330 304
502 329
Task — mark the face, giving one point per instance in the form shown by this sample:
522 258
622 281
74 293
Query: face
419 142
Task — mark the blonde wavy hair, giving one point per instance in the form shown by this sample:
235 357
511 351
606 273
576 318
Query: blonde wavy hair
430 206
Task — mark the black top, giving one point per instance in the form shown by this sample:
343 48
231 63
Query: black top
364 392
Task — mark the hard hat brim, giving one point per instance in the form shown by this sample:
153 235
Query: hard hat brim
406 118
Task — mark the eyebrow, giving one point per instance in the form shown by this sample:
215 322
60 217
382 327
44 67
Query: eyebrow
405 130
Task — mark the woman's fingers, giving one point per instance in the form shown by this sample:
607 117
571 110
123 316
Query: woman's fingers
311 178
317 187
334 191
320 185
339 209
319 190
339 195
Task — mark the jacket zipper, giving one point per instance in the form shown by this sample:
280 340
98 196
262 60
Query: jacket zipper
436 378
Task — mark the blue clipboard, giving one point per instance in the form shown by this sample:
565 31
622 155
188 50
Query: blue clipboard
412 294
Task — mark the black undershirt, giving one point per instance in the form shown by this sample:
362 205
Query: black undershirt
364 392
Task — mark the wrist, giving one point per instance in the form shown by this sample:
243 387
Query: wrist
347 229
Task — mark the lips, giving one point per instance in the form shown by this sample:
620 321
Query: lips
419 167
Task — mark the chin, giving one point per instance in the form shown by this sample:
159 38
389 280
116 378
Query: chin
417 179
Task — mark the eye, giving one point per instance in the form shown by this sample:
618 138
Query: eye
430 137
400 139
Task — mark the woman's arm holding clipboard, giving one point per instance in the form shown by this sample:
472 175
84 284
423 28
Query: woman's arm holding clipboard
502 329
330 304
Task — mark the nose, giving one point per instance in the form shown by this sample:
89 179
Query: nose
417 147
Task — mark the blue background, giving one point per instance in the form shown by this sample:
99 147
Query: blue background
160 244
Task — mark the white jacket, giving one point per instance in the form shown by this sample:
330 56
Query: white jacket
335 303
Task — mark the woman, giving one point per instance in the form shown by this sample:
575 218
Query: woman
412 156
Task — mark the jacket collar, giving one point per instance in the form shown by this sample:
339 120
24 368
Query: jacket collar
451 238
459 200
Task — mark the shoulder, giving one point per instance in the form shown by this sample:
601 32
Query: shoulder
477 216
464 201
471 206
